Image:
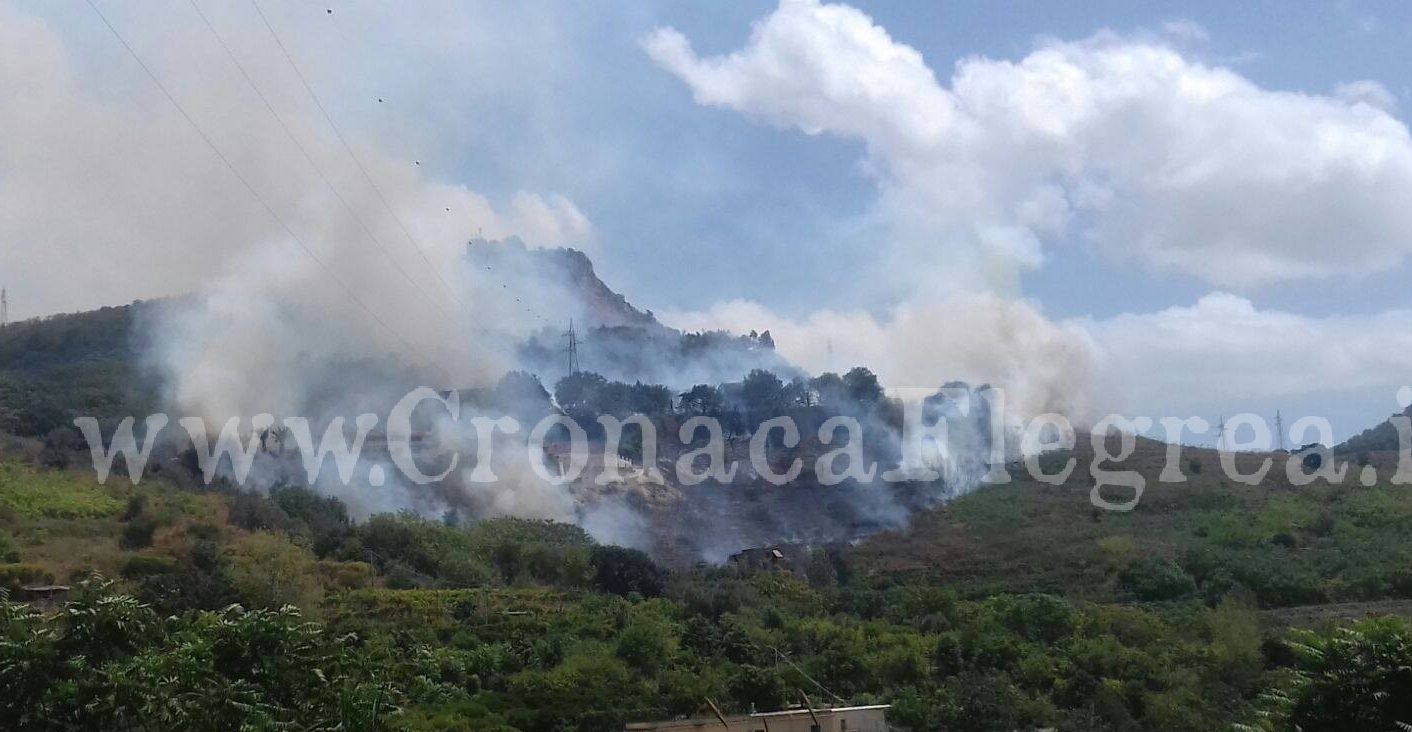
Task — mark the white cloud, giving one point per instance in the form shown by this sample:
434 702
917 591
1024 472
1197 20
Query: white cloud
1151 156
1222 349
1225 349
1185 31
1367 92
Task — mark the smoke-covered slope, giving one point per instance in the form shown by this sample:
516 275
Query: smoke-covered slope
527 273
554 289
92 364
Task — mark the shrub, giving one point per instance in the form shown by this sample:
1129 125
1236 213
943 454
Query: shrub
621 571
1041 618
136 506
137 534
8 552
146 566
110 662
1154 579
15 576
647 645
1118 550
346 575
1357 677
269 571
31 493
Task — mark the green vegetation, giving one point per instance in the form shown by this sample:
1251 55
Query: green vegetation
108 662
1352 678
57 368
1273 545
30 493
1213 605
1015 607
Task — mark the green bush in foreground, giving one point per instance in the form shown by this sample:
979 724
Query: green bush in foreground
109 662
1352 678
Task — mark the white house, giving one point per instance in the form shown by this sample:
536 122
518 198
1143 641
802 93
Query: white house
836 719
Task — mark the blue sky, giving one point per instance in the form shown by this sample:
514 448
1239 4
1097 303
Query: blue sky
659 175
720 214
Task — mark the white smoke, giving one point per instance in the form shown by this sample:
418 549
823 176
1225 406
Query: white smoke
974 337
116 190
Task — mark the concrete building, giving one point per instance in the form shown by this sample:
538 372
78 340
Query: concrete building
837 719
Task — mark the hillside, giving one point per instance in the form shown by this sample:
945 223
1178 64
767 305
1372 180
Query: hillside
521 269
1382 437
56 368
559 287
1014 607
1275 545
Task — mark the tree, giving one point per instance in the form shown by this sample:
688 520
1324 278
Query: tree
1154 579
521 394
621 571
59 445
830 388
701 399
862 386
578 393
269 571
648 644
650 399
764 395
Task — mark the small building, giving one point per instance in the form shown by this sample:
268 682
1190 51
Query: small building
784 557
836 719
44 596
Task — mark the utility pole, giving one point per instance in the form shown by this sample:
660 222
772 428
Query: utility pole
573 348
1279 431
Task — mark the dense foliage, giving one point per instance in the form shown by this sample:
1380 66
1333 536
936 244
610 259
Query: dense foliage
1016 607
107 661
57 368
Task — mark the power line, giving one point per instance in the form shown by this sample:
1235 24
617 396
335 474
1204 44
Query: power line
358 163
253 192
348 148
785 658
331 187
312 163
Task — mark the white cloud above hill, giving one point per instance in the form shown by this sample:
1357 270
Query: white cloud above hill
1148 155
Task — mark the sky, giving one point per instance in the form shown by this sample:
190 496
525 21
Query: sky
1150 208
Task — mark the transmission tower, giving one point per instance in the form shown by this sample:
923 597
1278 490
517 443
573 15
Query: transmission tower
4 308
573 348
1279 431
